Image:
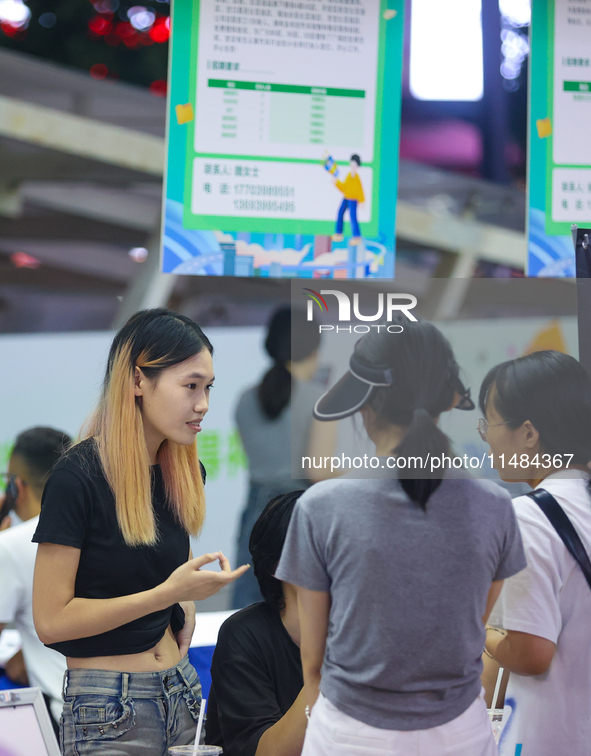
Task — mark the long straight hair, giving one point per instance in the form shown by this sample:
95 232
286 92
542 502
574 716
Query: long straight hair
152 340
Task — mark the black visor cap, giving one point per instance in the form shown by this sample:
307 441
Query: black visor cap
345 398
351 393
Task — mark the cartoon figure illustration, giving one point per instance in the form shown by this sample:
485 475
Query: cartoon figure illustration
352 190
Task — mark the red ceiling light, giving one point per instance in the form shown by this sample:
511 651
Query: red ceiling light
16 32
160 31
23 260
100 25
99 71
158 88
128 35
124 29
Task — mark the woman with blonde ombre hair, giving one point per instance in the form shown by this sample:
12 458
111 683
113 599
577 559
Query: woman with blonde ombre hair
115 582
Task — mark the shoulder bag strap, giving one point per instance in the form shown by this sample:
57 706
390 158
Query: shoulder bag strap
564 527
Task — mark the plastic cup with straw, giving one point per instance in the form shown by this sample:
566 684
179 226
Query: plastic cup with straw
196 749
496 715
199 725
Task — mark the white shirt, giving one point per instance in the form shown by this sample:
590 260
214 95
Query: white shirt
45 667
550 714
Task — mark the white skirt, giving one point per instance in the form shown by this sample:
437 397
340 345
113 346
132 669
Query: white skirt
332 733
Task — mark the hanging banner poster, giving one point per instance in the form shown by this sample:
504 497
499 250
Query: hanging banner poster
560 138
283 138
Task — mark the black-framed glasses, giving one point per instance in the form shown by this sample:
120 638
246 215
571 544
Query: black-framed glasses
482 427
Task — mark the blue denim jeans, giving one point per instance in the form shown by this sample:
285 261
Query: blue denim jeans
352 205
129 714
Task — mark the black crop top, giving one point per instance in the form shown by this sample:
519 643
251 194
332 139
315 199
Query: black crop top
78 509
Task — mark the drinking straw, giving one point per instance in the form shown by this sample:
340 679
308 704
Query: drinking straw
199 725
497 688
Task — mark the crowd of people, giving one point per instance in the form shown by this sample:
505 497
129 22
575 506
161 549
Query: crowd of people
372 600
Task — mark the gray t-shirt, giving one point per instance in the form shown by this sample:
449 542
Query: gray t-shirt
408 591
270 445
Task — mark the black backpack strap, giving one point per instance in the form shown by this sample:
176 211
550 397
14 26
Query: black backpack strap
565 529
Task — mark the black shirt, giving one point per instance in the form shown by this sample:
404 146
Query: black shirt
78 509
256 676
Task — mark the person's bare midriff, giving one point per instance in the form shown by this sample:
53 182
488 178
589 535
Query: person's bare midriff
164 655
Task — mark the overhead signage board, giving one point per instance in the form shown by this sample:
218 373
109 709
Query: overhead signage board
283 138
560 138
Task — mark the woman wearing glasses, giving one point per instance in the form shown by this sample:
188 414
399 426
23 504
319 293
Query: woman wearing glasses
388 569
538 427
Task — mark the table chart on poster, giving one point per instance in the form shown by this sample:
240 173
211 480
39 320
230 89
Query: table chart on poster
285 113
273 80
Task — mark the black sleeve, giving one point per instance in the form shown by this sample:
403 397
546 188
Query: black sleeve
65 510
203 472
245 693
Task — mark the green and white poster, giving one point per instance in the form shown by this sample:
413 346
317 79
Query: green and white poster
560 137
283 138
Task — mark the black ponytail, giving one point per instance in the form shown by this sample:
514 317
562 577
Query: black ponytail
425 374
425 440
274 390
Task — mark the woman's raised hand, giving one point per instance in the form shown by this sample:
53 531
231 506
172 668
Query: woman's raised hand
190 583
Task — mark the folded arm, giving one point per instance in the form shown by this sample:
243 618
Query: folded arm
521 653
